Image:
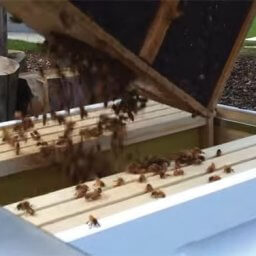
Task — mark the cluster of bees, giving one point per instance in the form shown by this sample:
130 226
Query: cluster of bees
154 165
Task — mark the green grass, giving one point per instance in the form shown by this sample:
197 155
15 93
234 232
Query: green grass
252 30
23 46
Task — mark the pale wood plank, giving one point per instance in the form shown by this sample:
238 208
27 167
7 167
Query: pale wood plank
66 194
53 133
80 219
232 57
112 196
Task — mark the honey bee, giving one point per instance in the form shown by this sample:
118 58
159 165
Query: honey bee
81 190
211 168
156 168
83 112
157 193
92 222
35 135
135 168
44 119
17 148
178 172
26 207
99 183
193 156
7 137
142 178
218 153
68 129
61 119
42 143
228 169
149 188
47 150
163 174
214 178
119 182
94 195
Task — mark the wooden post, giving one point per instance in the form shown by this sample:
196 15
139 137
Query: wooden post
3 32
8 87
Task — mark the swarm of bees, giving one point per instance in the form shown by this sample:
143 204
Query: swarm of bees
26 207
81 190
156 165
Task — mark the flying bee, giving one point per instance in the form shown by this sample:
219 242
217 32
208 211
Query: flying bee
17 148
44 119
83 112
35 135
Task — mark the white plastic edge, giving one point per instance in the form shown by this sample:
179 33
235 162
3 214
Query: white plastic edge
155 206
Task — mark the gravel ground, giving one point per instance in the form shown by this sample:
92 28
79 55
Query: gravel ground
37 61
240 90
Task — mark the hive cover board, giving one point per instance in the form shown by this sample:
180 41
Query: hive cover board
196 46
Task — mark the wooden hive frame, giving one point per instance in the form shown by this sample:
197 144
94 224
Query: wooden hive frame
150 82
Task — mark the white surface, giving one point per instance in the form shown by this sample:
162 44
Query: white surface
28 37
156 206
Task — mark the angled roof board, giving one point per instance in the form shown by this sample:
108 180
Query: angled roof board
194 60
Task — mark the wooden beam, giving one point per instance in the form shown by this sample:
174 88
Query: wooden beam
167 12
3 32
83 28
232 57
207 133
